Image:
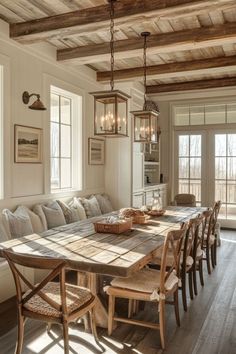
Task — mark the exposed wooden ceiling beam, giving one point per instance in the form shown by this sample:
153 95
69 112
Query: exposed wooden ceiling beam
192 85
173 69
95 19
160 43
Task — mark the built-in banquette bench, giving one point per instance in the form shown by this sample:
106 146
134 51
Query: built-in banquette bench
42 217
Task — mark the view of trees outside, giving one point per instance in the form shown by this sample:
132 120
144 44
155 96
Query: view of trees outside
225 173
60 142
190 165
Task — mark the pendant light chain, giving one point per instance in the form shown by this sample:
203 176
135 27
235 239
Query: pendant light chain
145 35
112 43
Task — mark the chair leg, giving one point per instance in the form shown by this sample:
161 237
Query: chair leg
66 337
212 256
215 252
208 260
190 283
194 279
162 322
111 311
20 334
176 304
201 272
94 328
184 297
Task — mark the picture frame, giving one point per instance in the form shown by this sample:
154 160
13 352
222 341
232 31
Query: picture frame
96 150
28 144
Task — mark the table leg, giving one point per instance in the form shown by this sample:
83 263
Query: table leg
90 280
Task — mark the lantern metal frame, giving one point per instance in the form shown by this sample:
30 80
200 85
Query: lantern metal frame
146 114
112 95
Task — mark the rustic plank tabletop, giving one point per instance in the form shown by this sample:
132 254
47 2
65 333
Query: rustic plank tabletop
100 253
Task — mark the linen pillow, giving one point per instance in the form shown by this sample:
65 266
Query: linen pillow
4 236
38 210
54 215
104 203
76 204
36 221
19 222
91 206
70 213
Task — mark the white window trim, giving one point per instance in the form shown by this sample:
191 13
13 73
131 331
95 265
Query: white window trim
63 85
76 135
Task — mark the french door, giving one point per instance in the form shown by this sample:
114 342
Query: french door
205 165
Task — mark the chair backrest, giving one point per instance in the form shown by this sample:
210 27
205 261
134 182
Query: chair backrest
56 266
183 199
216 210
195 226
208 225
173 244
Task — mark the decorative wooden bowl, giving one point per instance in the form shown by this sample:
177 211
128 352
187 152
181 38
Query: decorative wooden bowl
156 212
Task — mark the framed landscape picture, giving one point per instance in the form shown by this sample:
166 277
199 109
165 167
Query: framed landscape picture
96 151
28 144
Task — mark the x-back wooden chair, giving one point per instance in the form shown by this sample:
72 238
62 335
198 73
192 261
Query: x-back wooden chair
150 285
48 301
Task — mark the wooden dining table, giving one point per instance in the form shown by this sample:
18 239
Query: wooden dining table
96 254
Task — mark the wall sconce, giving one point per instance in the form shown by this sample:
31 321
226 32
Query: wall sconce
36 105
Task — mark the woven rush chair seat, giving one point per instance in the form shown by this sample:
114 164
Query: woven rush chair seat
146 281
76 297
49 301
169 258
160 286
211 239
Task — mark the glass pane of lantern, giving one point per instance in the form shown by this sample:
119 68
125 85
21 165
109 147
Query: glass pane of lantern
141 128
99 118
109 121
121 119
153 129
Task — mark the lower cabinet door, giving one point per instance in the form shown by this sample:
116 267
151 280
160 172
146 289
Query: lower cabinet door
138 200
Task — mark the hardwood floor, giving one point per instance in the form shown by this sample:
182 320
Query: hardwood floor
209 326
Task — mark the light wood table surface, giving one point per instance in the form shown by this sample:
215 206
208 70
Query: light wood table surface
100 253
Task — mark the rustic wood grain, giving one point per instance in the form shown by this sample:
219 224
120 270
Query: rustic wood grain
203 66
192 85
85 250
158 43
97 18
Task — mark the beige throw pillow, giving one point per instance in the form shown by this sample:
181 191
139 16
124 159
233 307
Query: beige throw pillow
37 223
104 203
76 204
91 206
38 210
70 213
19 222
54 215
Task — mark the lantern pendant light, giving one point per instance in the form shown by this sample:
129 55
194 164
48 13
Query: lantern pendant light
146 129
111 107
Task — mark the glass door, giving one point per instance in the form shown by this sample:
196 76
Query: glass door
225 174
189 165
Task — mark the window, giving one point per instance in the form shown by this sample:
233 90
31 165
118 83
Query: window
203 114
65 125
189 165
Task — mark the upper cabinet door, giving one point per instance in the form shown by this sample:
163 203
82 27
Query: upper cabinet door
138 168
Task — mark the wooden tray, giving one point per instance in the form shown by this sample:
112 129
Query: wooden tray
117 228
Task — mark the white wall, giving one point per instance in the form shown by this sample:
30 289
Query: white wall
34 68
